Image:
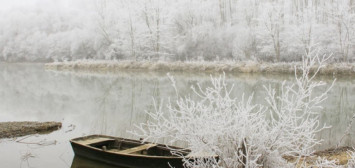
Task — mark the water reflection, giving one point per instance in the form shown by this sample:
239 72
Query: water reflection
112 103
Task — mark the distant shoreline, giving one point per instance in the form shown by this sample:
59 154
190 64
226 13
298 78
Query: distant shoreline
334 69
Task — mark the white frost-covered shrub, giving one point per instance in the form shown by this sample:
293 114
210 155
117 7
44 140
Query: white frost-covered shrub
324 163
351 161
238 131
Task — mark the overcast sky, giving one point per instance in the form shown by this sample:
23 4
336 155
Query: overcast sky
33 4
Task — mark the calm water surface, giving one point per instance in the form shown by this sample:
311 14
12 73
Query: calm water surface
88 103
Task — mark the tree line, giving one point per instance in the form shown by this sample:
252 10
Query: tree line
184 30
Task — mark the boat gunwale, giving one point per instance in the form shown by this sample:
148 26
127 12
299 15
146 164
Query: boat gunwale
131 140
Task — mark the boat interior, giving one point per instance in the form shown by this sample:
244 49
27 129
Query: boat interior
124 146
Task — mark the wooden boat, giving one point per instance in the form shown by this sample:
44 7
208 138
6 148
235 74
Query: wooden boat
126 152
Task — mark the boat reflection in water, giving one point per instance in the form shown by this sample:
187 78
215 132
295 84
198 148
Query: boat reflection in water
81 162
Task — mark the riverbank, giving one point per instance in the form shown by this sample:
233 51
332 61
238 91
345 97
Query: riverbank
228 67
341 156
17 129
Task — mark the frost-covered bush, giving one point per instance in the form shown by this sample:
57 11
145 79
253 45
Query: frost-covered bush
240 132
351 161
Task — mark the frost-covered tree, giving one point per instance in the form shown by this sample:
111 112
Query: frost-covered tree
343 17
241 133
266 30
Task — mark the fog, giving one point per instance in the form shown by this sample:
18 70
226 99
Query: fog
281 30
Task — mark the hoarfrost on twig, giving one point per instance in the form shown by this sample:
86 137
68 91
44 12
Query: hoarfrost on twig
237 130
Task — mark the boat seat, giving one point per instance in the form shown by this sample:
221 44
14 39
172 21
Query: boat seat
94 141
136 149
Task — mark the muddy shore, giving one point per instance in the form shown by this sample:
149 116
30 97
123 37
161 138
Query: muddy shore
228 67
17 129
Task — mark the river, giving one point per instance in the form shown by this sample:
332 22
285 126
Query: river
107 103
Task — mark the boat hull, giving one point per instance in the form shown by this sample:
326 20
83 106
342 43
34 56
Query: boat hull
129 161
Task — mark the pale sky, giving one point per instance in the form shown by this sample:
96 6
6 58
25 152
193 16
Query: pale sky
11 4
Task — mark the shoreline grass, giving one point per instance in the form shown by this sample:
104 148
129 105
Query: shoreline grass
228 67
